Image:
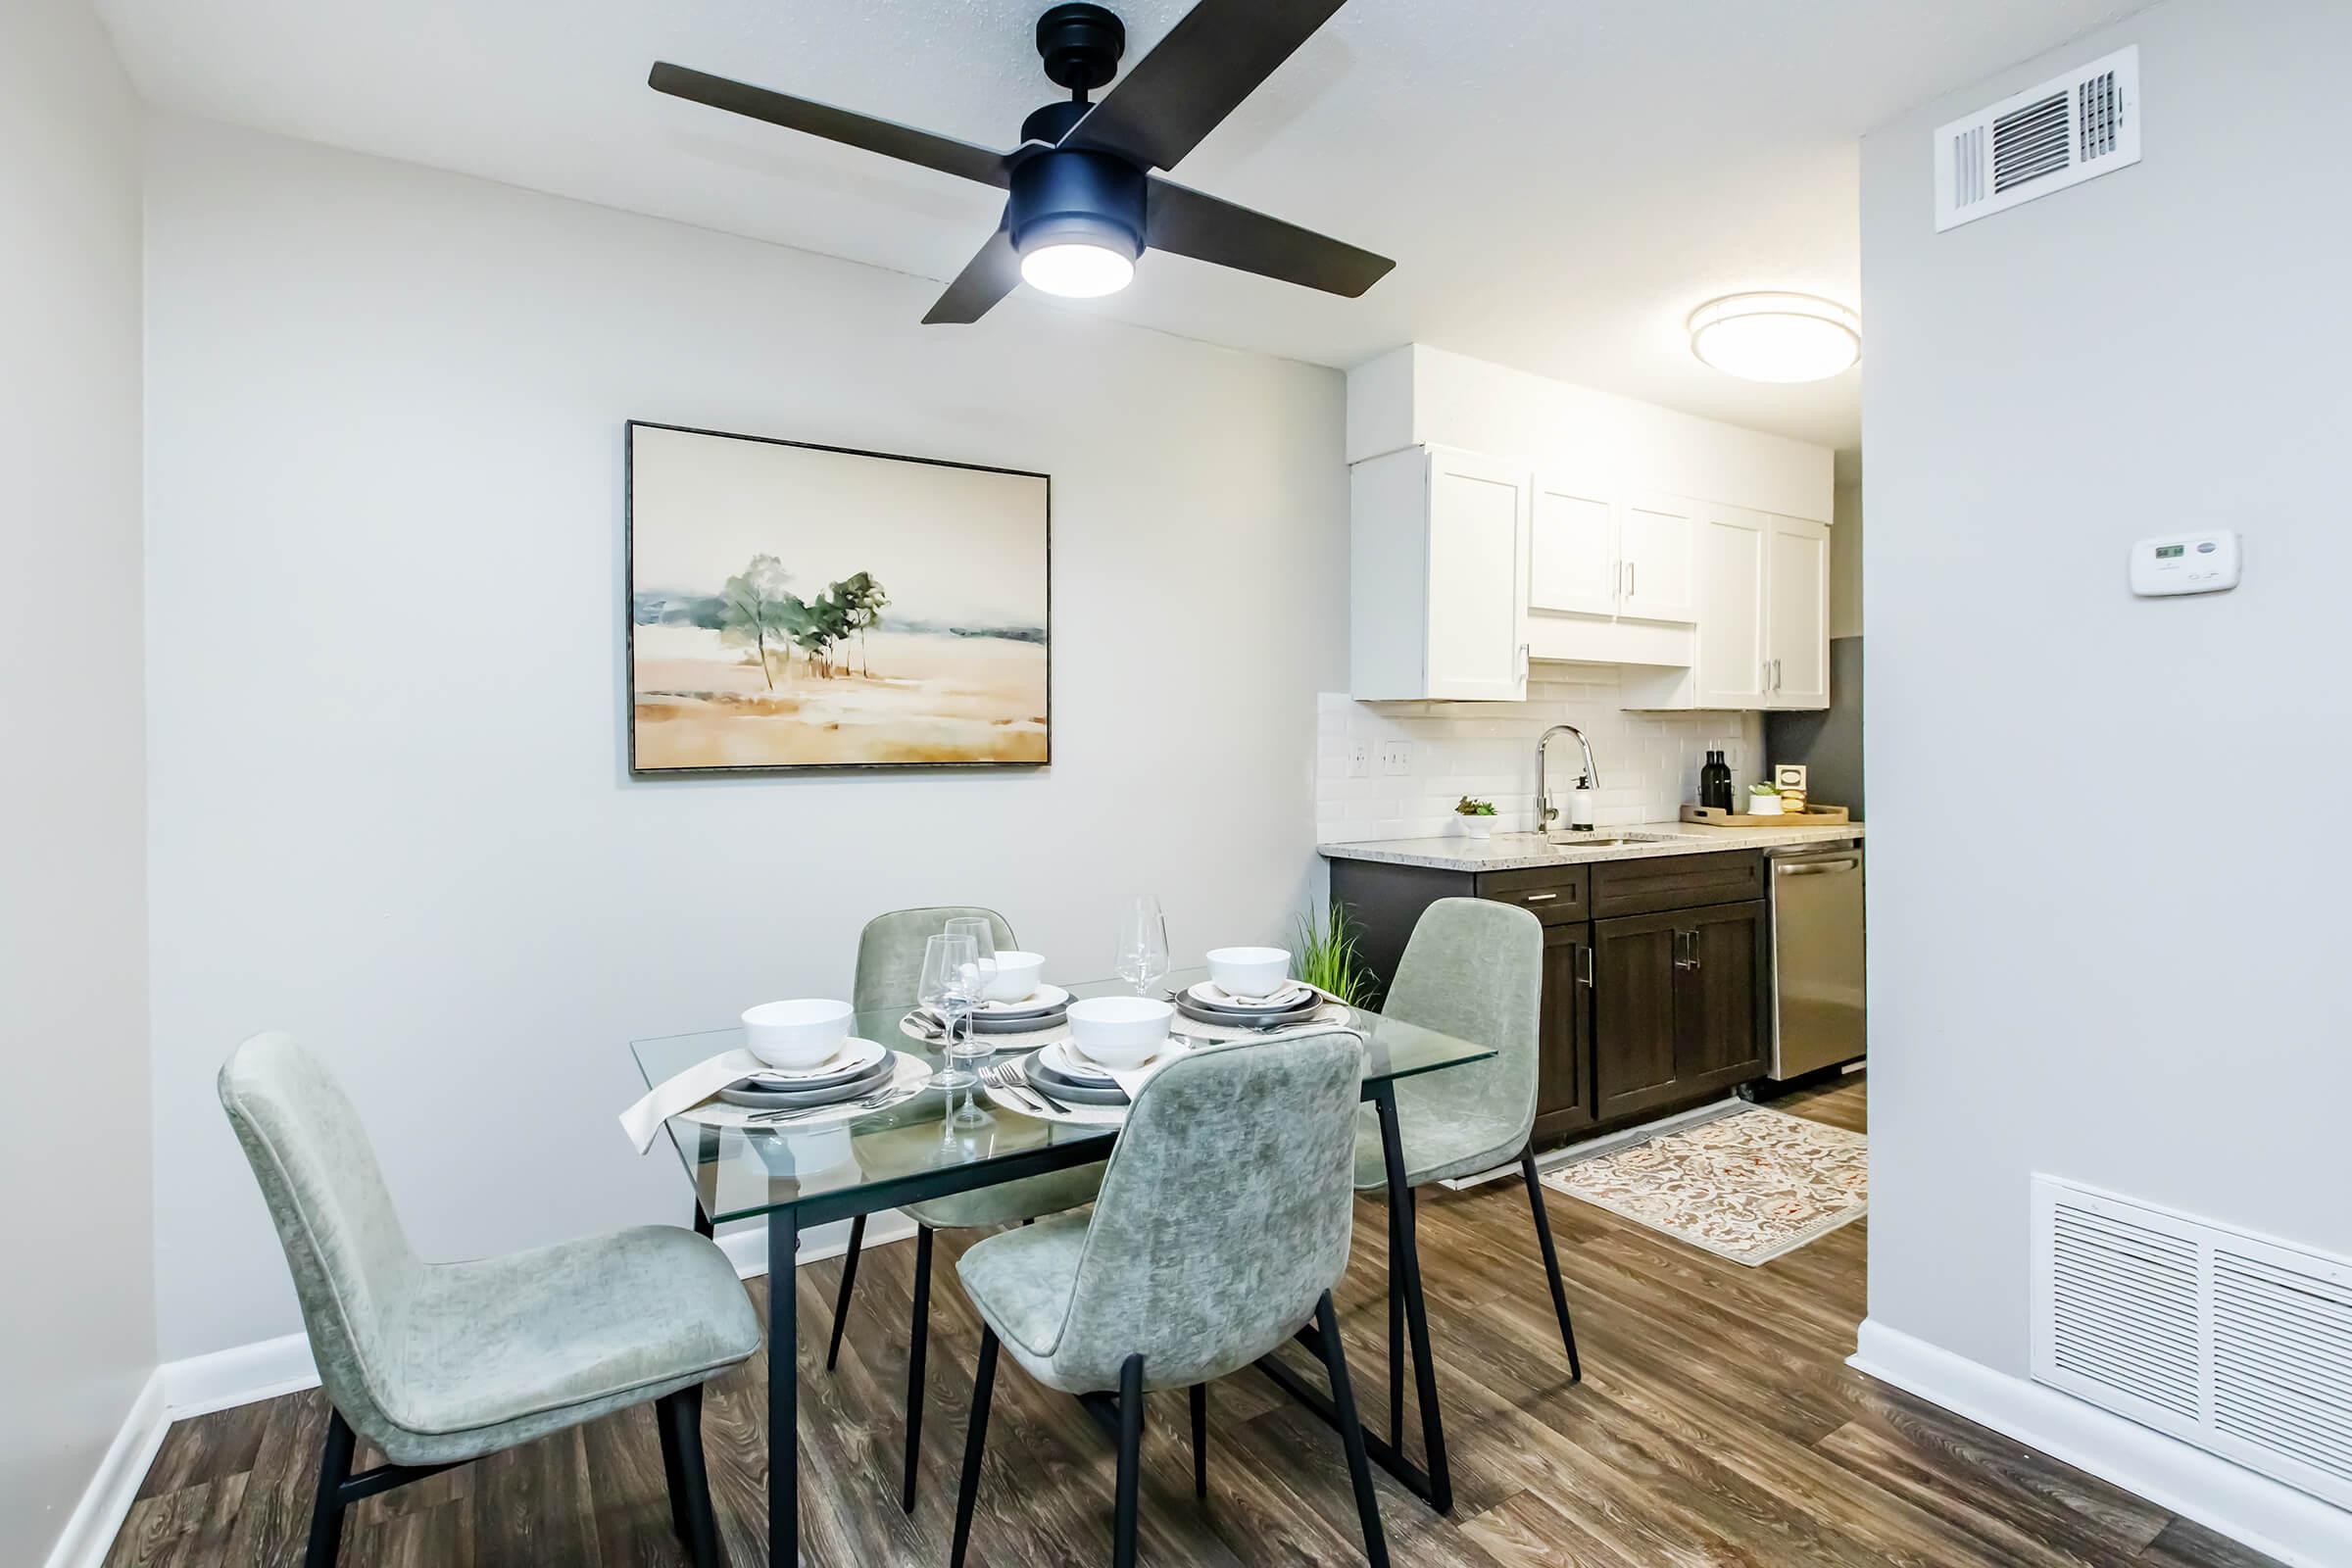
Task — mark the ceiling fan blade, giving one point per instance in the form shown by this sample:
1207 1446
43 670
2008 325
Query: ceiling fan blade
993 273
1213 59
1179 219
943 153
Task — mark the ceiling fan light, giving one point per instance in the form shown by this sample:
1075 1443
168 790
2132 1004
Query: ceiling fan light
1776 337
1078 260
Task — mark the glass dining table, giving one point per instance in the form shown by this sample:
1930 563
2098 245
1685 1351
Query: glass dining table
912 1150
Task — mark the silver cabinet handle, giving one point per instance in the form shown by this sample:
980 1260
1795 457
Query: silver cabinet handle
1816 867
1776 674
1538 898
1526 652
1628 581
1681 938
1585 966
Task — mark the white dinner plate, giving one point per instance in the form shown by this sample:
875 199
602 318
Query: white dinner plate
1059 1055
1045 998
1293 994
855 1056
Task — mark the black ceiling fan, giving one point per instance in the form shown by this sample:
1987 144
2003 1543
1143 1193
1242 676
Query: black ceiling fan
1082 202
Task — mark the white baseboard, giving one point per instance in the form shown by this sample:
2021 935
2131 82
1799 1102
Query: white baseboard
199 1385
91 1527
2276 1520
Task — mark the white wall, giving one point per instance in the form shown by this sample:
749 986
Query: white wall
1648 762
390 806
1845 559
76 1315
2132 975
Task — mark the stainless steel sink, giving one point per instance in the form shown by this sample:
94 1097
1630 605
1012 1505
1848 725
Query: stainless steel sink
1601 841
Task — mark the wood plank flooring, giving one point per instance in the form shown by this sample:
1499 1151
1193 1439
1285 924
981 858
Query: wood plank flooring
1717 1424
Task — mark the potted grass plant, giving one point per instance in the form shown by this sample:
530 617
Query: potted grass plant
1327 958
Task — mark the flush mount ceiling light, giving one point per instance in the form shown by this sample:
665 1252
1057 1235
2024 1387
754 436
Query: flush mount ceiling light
1776 337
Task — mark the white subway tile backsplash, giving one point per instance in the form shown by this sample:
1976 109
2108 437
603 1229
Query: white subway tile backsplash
1649 760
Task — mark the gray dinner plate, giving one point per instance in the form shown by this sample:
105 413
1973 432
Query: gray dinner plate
801 1098
1245 1018
1069 1089
1017 1023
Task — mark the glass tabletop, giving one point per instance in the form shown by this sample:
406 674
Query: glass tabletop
907 1151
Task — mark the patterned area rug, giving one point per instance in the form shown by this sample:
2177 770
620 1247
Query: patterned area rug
1749 1186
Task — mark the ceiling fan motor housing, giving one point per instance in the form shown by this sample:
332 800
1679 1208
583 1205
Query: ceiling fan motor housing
1080 44
1076 197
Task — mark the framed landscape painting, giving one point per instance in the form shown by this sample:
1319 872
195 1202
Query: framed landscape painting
794 607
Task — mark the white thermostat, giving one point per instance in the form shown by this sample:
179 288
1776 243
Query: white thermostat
2186 563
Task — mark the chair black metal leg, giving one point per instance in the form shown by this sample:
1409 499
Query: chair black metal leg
918 1341
326 1513
975 1445
1552 1261
681 1413
1396 1331
849 1283
1416 1310
1131 1462
1199 1397
671 1480
1351 1433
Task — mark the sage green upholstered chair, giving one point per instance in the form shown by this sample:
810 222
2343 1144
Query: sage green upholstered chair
890 970
1222 1225
439 1363
1473 969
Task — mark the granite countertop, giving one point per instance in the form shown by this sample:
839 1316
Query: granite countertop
1519 851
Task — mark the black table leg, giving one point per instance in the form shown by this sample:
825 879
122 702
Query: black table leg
783 1391
1406 1261
1435 1486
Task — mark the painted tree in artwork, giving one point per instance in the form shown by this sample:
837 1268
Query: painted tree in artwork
864 599
753 613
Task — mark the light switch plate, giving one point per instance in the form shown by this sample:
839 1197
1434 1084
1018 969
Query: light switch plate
1360 759
2186 563
1396 757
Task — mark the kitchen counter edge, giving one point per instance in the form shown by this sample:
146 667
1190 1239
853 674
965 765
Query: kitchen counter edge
1522 851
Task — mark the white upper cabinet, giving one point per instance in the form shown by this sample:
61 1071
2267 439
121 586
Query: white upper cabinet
1437 577
1730 669
1797 617
1656 540
1576 569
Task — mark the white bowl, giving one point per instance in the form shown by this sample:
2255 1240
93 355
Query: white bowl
1248 971
796 1034
1011 976
1119 1031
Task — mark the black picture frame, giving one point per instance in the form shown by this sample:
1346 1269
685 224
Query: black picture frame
628 614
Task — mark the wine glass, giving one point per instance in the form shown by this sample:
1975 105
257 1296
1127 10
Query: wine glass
983 933
1143 951
949 986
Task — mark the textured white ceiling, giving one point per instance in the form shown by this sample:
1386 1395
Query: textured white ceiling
1560 180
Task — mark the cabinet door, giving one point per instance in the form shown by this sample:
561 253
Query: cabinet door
1634 1035
1730 669
1658 540
1797 614
1564 1071
1573 554
1478 511
1719 999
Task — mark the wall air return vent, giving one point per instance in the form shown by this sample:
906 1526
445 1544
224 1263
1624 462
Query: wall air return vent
2061 133
2233 1342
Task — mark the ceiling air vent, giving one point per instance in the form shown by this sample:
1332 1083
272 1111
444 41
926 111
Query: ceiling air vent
2065 132
2236 1344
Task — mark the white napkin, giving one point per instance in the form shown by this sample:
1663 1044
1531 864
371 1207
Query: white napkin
687 1090
1132 1079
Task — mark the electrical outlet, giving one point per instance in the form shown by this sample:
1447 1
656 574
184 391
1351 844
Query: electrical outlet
1396 757
1360 759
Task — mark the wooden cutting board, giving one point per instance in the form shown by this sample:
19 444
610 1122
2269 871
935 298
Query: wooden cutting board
1810 816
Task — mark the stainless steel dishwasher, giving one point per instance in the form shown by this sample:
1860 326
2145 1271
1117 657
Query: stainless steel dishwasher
1818 1012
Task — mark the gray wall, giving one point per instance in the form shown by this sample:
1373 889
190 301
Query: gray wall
390 810
2106 898
76 1314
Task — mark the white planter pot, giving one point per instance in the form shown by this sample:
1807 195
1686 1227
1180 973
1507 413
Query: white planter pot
1763 806
1477 827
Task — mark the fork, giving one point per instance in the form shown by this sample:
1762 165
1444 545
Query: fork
870 1101
1020 1080
994 1077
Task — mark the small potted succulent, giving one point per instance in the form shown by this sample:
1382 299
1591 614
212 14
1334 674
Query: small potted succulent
1477 816
1763 799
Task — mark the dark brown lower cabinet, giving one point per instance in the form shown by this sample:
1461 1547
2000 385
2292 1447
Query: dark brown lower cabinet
1677 1006
1564 1070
